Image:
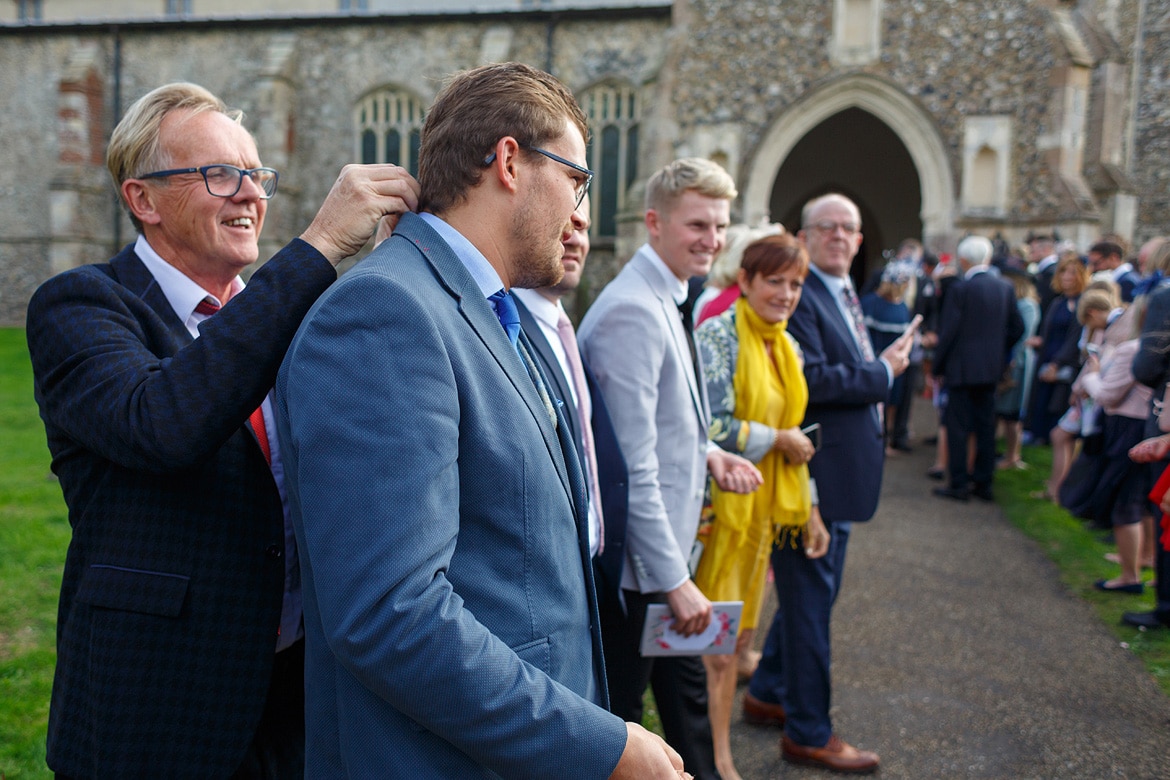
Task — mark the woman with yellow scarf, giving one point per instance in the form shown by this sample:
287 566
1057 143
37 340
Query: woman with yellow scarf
756 387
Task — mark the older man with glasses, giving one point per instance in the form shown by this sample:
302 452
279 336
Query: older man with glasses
180 649
847 384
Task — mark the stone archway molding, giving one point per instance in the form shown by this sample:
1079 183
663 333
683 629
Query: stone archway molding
914 126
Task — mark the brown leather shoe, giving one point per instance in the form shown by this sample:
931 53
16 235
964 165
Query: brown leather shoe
762 713
838 755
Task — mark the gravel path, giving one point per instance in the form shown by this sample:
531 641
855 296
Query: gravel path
958 653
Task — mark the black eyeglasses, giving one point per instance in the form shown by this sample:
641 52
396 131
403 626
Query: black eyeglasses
827 227
224 181
582 187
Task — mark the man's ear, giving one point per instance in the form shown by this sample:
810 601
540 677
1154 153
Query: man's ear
140 199
653 223
505 164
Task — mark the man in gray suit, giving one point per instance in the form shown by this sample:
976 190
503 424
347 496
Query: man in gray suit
642 352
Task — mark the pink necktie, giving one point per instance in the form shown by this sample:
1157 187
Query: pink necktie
584 418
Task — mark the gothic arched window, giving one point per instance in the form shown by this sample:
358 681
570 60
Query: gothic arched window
614 112
389 126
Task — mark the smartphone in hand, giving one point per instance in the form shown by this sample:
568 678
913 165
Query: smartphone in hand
813 432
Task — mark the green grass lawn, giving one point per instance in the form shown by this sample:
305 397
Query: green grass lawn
34 533
1079 551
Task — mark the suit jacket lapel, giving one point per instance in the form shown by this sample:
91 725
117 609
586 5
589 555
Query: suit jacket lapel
814 285
558 383
674 326
136 277
477 312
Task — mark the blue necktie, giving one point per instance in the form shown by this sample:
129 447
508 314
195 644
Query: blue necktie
509 317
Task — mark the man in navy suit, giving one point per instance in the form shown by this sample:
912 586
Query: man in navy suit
847 384
980 324
451 626
179 649
554 343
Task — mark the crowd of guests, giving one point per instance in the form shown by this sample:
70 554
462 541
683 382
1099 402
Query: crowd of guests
411 522
1084 373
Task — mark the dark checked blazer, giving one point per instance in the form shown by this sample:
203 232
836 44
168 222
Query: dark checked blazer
173 580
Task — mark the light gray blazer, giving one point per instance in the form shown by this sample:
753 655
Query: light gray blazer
633 339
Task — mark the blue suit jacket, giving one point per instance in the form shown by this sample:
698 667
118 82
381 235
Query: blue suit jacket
450 621
612 475
173 580
842 391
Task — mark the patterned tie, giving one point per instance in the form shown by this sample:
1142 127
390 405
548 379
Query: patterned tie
208 307
859 330
506 312
584 417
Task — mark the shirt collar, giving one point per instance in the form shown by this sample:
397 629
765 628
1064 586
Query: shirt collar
678 289
543 310
477 265
835 283
975 270
181 291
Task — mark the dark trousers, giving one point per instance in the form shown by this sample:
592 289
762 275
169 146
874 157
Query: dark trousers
278 749
795 668
900 430
970 409
679 684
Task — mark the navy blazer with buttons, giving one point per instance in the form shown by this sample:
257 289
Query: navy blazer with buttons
842 391
174 576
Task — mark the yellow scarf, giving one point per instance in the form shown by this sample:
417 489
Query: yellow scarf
776 396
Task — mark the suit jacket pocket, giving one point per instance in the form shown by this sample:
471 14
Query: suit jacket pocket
537 652
133 590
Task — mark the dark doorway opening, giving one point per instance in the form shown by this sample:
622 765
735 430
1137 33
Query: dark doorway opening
854 153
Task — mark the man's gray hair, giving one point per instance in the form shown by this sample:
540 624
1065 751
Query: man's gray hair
976 250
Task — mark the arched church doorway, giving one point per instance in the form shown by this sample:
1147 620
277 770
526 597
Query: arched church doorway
854 153
869 139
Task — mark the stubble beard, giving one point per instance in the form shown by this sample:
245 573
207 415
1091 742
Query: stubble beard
537 261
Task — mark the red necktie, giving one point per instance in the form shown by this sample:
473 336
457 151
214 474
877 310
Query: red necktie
208 307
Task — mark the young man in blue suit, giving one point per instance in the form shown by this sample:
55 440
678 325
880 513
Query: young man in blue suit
179 649
847 383
450 619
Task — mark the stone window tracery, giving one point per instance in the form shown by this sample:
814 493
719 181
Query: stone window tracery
389 128
614 114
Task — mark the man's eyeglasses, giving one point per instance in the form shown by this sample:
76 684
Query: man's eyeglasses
224 181
828 227
582 187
